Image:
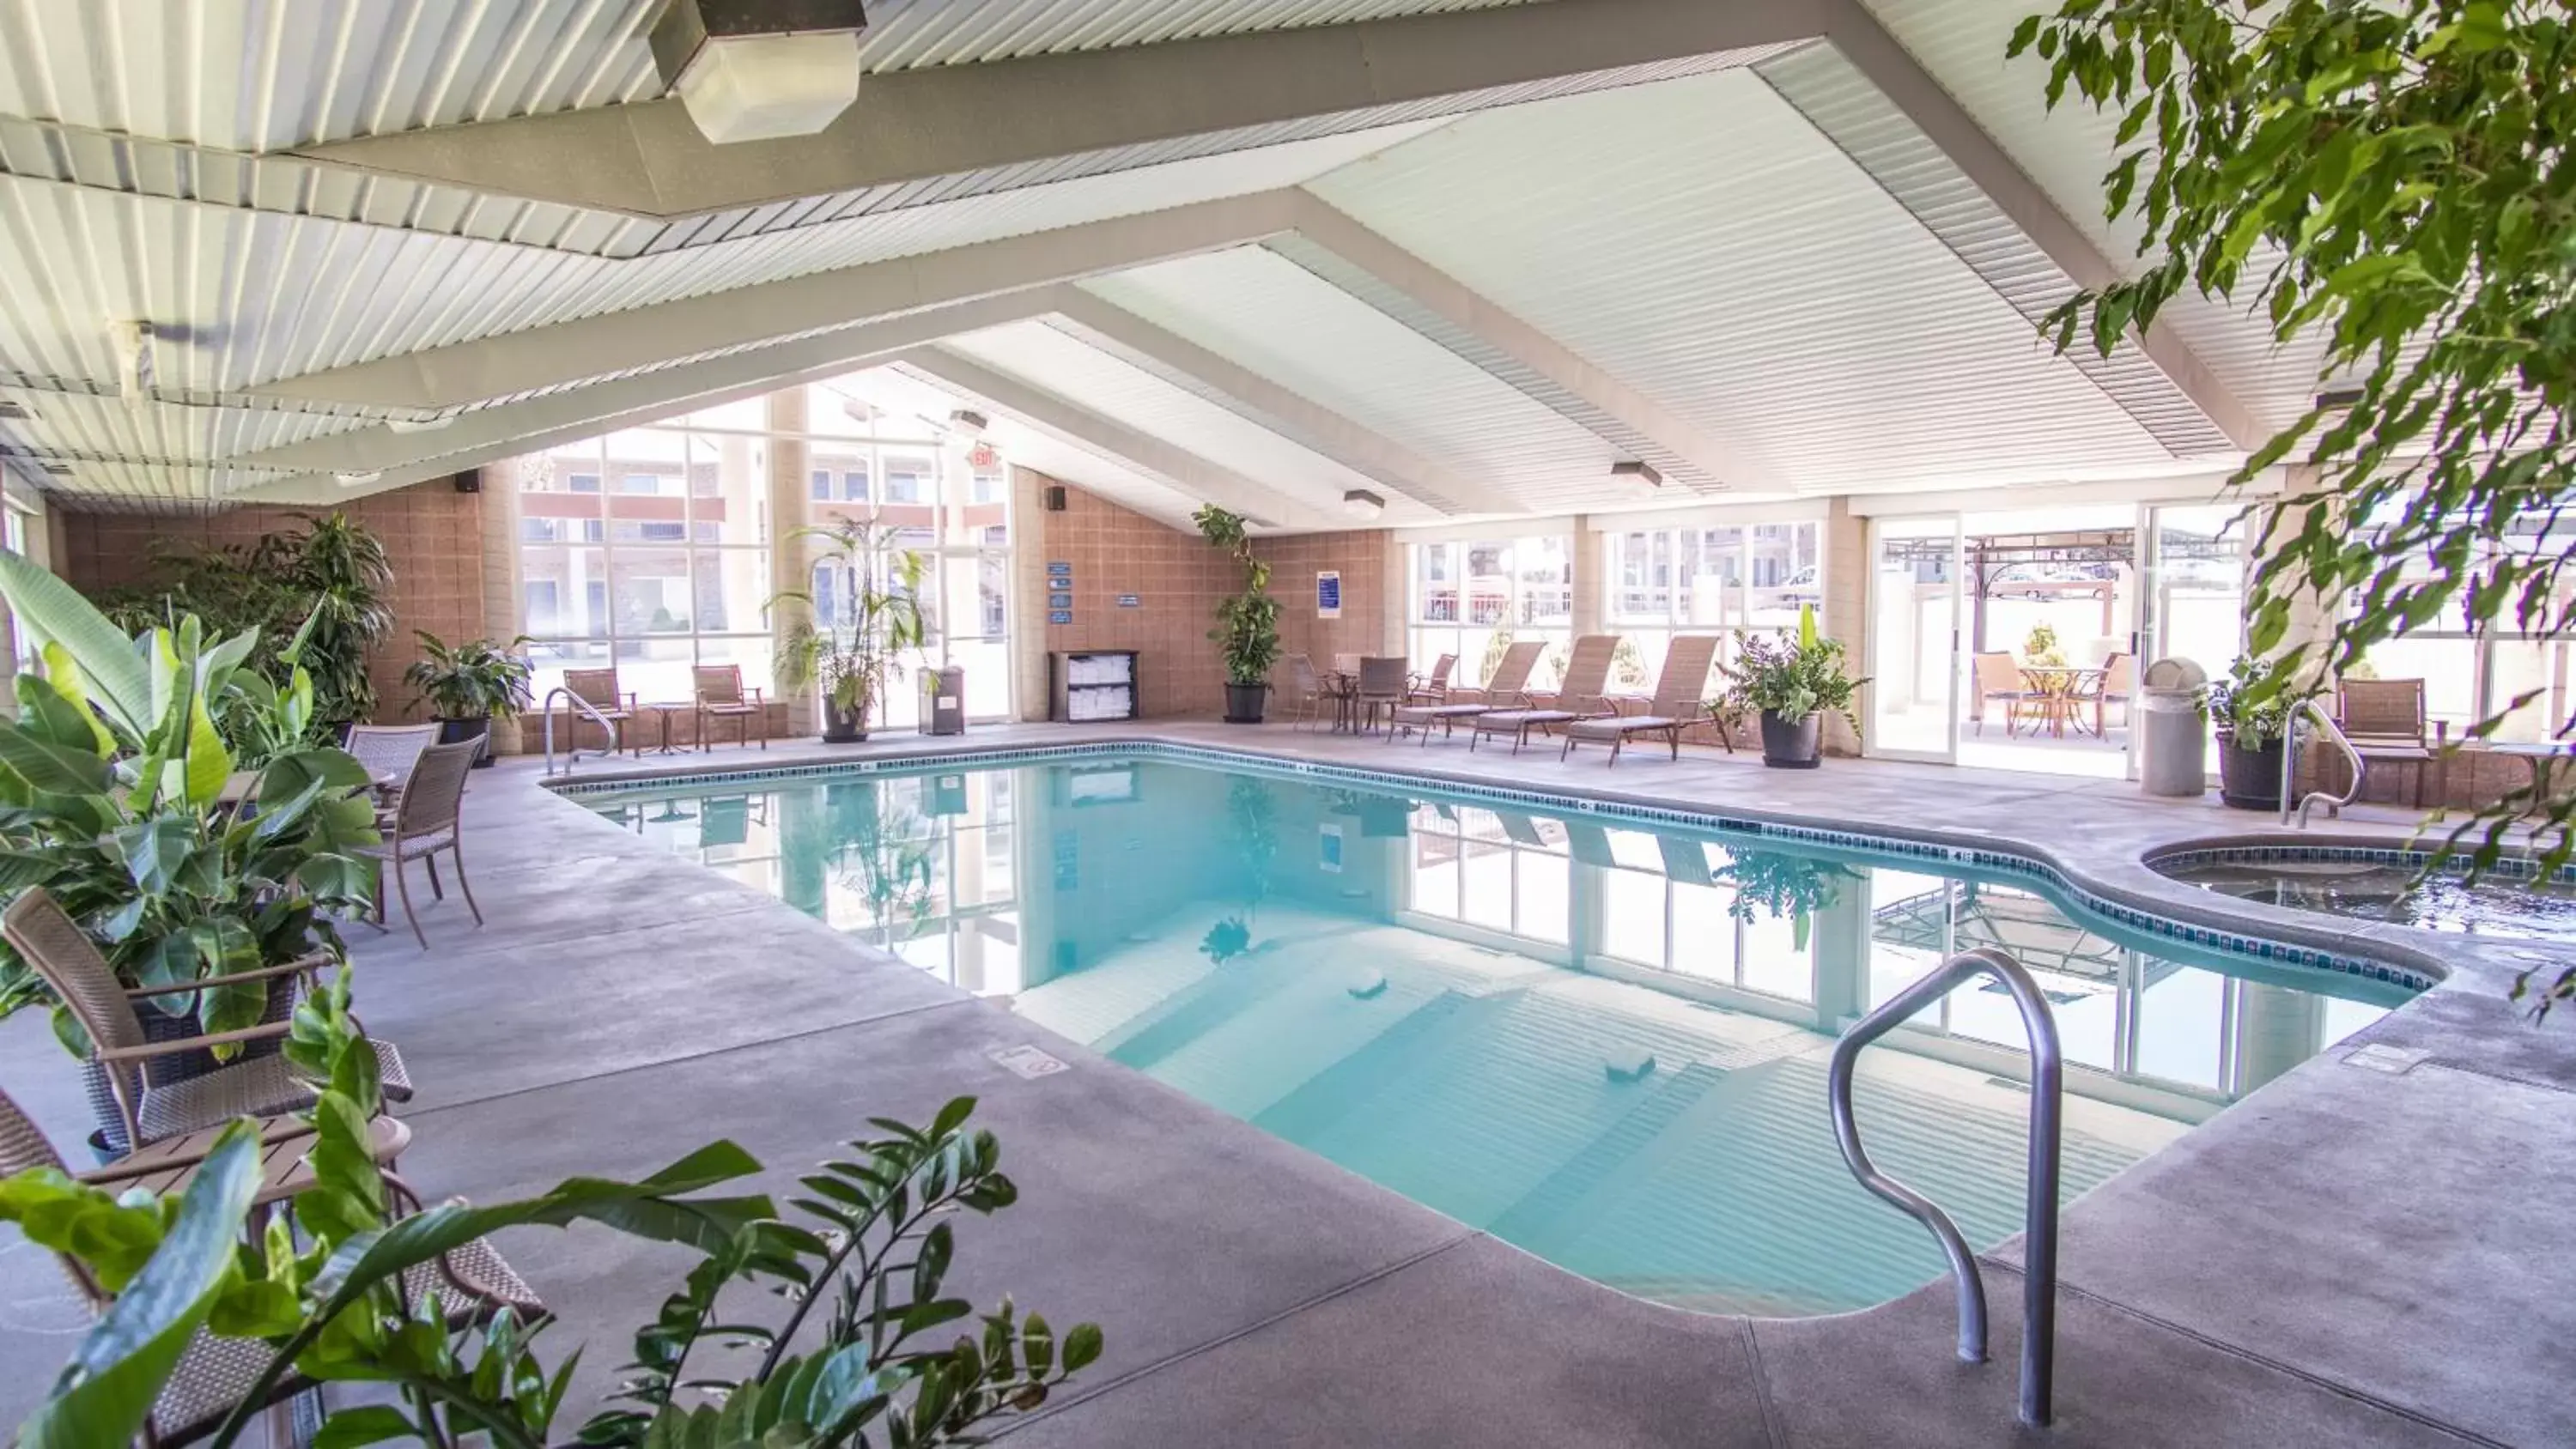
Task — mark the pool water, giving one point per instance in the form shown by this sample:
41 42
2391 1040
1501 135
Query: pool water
2390 890
1601 1041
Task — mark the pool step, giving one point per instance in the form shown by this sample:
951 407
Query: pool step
1552 1199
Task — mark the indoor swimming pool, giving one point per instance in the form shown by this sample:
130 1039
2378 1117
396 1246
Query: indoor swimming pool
1597 1036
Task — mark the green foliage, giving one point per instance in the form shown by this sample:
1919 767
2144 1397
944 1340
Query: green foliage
2252 704
329 1300
852 656
477 679
1247 625
330 576
2041 646
1789 678
2390 180
109 785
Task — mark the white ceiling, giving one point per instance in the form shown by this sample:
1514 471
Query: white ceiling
1648 269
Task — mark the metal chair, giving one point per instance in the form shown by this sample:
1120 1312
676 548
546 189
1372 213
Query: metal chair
1996 676
151 1111
598 689
427 822
2385 719
720 696
1681 700
1383 684
1434 687
2118 684
1305 691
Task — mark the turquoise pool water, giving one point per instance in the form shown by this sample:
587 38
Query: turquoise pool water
1601 1041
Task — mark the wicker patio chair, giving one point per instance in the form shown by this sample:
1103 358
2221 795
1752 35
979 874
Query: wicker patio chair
389 750
2386 721
1432 688
1681 700
427 822
1997 677
54 944
721 696
1382 685
214 1374
598 689
1587 677
1503 691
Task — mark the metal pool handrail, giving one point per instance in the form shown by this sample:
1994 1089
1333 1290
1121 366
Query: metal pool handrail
2039 1234
574 754
2290 765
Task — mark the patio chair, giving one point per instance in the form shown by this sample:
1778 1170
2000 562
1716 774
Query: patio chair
427 822
1503 691
2117 684
1996 676
1434 687
213 1374
1681 695
150 1110
2385 720
389 750
1587 676
1305 692
720 696
598 689
1383 684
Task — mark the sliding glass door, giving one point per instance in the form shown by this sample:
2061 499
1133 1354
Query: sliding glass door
1915 695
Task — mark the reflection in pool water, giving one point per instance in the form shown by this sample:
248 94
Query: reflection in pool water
1602 1042
2388 890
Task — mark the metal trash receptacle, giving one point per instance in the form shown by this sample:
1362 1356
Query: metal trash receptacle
943 700
2173 730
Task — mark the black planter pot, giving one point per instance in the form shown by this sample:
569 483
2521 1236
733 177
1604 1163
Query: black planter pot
843 726
2249 779
452 730
1792 744
1244 703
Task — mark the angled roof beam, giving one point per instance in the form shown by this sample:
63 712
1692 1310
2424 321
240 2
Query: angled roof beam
536 359
1085 429
648 159
1337 248
1901 80
1248 394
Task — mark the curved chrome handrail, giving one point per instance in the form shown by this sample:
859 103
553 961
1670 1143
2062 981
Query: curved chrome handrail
2039 1233
574 754
2290 766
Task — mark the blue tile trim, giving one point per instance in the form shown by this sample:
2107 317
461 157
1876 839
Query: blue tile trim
2508 868
2004 862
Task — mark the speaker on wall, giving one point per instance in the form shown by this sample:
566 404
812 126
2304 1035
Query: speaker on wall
1055 498
469 481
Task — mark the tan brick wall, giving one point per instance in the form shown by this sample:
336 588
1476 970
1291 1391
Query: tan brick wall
433 535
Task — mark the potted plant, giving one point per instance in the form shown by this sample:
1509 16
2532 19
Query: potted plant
1790 684
469 686
853 644
1247 625
2251 708
1782 885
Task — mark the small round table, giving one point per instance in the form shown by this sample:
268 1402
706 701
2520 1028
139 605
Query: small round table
662 714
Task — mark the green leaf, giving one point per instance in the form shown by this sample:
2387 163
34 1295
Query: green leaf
50 767
365 1424
104 659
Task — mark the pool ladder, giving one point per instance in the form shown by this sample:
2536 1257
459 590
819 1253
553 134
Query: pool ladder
574 752
2332 733
2039 1233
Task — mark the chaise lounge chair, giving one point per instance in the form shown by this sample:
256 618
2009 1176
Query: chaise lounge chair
1587 677
1681 692
1503 691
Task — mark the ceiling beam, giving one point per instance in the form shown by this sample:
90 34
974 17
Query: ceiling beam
648 158
1248 394
535 359
1861 40
1187 471
1530 360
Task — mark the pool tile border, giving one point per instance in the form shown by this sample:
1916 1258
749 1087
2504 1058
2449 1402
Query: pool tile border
2508 867
2006 862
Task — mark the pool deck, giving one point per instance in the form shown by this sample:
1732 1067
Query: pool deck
2366 1251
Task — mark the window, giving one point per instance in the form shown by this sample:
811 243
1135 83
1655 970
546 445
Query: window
2470 674
1475 598
583 482
821 484
1669 903
1499 871
1709 579
644 483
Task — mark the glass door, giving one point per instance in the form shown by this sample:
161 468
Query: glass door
2193 604
1915 698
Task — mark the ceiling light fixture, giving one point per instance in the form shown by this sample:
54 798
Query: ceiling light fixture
969 422
356 480
419 425
1362 504
760 70
1643 472
15 412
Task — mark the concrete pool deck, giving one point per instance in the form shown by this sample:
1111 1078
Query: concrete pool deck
2360 1253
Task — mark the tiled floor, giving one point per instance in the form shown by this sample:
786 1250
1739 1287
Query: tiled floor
2350 1257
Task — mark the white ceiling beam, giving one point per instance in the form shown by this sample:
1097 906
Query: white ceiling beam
648 158
1187 471
1258 399
1731 464
568 353
1867 45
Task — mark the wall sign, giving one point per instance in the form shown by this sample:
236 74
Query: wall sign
1060 567
1328 594
1059 601
1059 616
1130 601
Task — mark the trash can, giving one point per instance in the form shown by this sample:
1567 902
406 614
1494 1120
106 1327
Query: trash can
2173 733
943 701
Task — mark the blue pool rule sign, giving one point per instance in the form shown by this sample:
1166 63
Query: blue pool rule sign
1328 595
1059 568
1059 601
1059 616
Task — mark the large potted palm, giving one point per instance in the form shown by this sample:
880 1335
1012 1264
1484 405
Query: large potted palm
1247 624
1790 684
469 685
854 642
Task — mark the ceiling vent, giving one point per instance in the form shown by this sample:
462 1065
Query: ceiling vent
760 70
14 412
56 470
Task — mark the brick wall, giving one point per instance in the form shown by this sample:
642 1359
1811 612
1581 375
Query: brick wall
1367 606
433 535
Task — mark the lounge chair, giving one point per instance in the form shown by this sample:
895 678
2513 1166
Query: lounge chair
721 696
1681 700
2385 720
427 822
1434 687
1587 677
1503 691
150 1111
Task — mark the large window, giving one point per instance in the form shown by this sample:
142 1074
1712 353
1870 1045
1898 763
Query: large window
1714 578
1668 904
2470 674
1475 598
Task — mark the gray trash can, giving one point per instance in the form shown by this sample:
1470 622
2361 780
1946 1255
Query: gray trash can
2173 734
943 701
